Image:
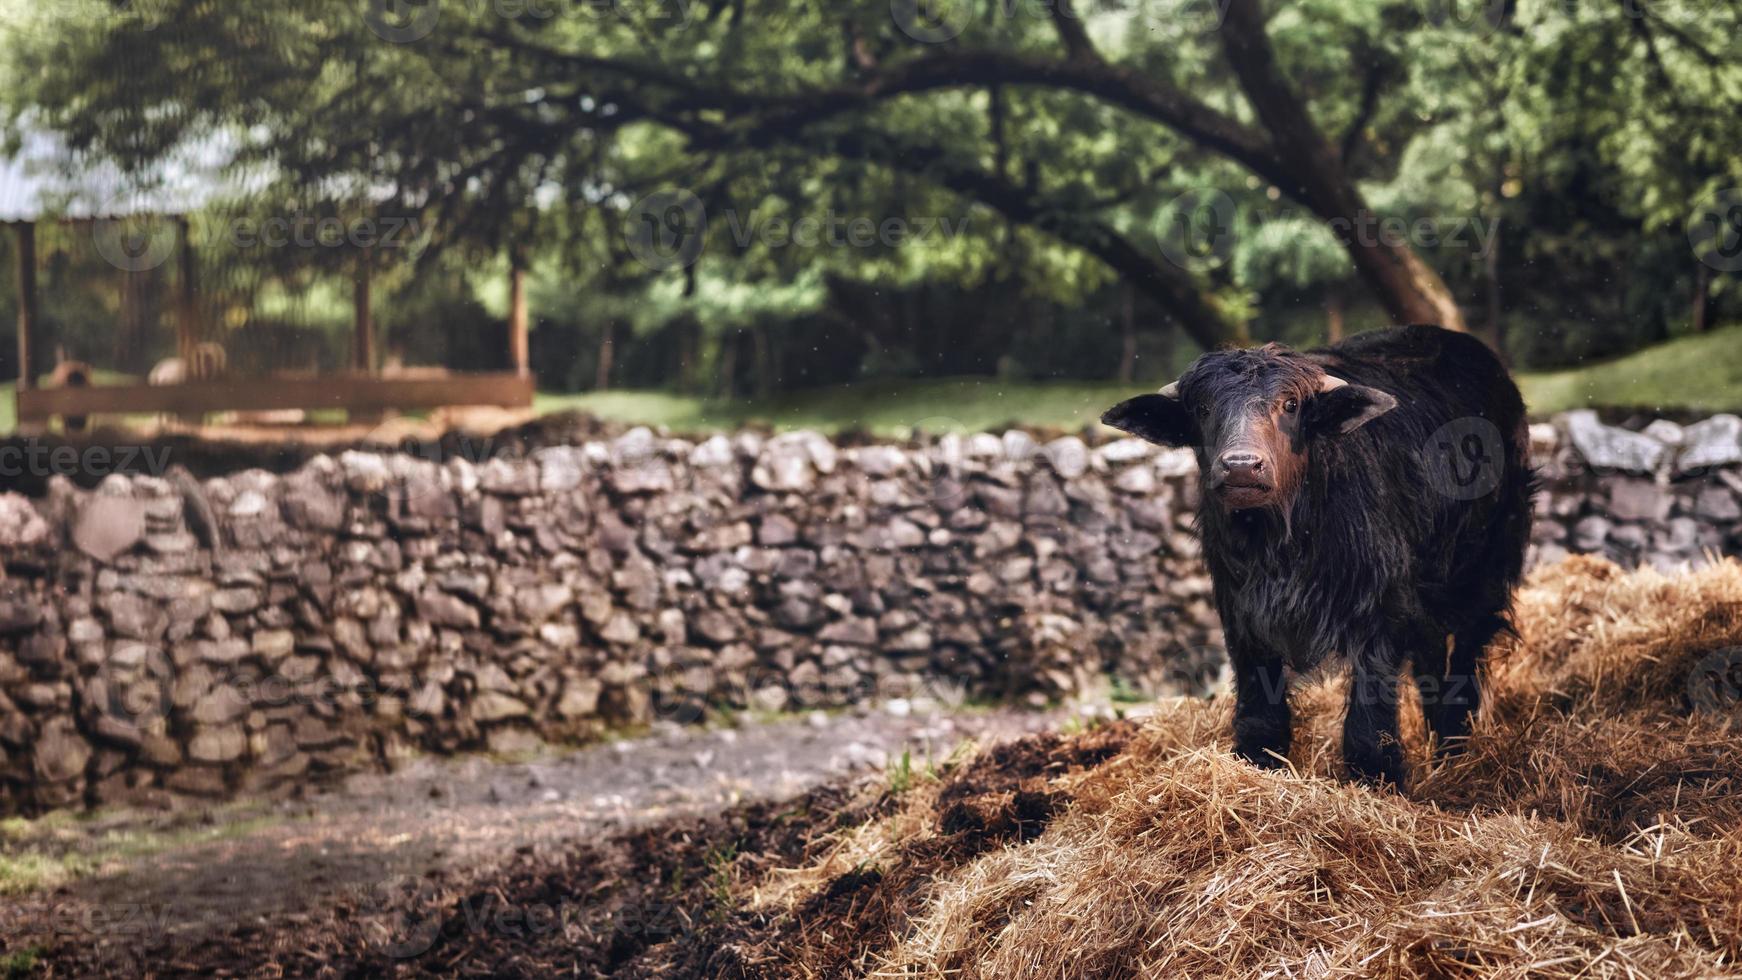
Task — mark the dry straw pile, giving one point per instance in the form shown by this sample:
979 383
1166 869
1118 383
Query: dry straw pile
1593 828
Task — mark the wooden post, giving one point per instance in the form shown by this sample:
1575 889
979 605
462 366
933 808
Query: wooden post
517 344
26 300
363 339
187 328
1491 272
607 355
1127 332
1702 289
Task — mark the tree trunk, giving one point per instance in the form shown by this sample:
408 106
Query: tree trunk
519 351
1702 288
362 320
1409 289
764 360
25 244
607 354
728 380
1491 273
133 347
1334 315
1000 149
686 356
188 328
1127 333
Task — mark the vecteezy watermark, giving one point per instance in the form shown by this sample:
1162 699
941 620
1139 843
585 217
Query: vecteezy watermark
104 920
37 460
1465 458
300 230
1679 12
1715 683
134 240
114 937
1715 230
402 21
406 21
938 21
130 237
1480 16
669 229
413 488
400 915
932 21
1199 229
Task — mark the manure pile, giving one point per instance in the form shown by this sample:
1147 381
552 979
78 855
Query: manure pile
1593 828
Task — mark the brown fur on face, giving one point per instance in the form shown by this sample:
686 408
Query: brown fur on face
1250 402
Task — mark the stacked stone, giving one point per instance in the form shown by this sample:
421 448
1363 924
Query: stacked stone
162 636
1667 496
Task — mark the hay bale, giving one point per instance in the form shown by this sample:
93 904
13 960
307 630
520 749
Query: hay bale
1593 827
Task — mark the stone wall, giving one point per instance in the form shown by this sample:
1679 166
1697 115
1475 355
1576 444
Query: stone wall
1666 496
253 632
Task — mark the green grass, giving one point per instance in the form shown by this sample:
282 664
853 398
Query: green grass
33 871
643 407
1701 372
721 875
900 773
14 966
64 845
887 408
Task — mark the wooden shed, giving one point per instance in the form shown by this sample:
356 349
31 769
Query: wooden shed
43 183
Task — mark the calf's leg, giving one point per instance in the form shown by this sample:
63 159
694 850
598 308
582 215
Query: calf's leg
1262 723
1449 682
1370 744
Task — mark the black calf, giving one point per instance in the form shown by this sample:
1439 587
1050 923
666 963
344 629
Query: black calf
1371 499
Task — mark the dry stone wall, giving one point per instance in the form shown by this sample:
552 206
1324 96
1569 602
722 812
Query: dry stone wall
251 633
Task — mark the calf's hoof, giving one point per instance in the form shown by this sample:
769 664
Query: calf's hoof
1264 756
1450 748
1378 767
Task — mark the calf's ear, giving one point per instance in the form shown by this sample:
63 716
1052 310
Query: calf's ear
1340 407
1160 418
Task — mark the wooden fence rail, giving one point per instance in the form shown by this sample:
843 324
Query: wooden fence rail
354 393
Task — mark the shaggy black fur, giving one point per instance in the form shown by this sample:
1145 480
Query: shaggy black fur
1384 519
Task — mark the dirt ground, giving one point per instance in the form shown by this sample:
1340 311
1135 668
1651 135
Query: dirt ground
1589 827
381 839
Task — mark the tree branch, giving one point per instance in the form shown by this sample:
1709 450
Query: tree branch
1371 85
1411 291
1178 292
1085 73
1184 299
1069 25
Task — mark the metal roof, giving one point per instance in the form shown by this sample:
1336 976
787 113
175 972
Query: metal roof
45 180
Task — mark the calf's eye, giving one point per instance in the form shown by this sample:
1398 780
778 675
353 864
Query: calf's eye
1291 406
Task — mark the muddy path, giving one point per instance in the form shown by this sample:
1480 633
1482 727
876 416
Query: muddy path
176 877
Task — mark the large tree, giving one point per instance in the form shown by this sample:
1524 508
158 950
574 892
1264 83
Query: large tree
1078 123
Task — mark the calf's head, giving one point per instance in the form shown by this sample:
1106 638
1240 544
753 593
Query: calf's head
1252 416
